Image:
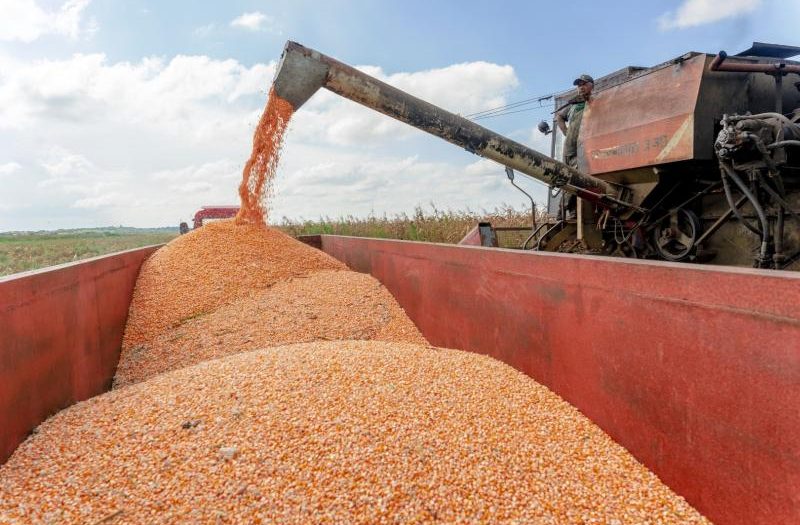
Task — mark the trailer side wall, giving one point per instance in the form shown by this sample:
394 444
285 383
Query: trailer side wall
695 370
60 337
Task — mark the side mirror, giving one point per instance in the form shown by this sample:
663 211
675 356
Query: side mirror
509 173
544 127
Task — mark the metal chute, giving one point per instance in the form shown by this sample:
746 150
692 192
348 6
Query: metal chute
303 71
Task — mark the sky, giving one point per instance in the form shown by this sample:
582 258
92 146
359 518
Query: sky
137 112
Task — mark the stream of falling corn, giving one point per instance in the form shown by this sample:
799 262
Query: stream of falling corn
259 171
262 382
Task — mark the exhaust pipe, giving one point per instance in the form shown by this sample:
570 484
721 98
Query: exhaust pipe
302 71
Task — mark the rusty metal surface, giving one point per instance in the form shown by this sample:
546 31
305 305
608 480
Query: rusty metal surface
720 64
315 241
60 337
694 369
472 238
214 212
765 49
646 121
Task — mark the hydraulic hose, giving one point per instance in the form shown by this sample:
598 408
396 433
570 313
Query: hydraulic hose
761 149
784 143
732 204
762 217
783 118
775 195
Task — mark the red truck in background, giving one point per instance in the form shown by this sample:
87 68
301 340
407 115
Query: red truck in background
206 213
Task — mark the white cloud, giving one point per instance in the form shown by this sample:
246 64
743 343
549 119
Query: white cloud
352 184
193 187
698 12
460 88
539 141
255 21
482 167
25 21
146 143
100 201
167 96
67 173
204 31
63 165
222 169
9 168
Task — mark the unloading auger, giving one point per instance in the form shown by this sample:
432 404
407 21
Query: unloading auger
302 71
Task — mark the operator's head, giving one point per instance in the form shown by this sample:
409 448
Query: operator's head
585 84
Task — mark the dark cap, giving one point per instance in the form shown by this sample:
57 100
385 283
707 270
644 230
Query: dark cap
582 79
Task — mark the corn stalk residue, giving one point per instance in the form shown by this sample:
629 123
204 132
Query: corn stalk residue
259 172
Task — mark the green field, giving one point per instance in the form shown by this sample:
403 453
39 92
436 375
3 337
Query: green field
23 251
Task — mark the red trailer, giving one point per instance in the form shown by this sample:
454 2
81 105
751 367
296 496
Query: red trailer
698 381
207 213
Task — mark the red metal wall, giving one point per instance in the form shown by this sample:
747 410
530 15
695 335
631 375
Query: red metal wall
60 337
695 370
643 122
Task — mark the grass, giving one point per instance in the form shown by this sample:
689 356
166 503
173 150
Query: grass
434 225
23 251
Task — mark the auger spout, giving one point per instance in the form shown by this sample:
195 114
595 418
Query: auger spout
303 71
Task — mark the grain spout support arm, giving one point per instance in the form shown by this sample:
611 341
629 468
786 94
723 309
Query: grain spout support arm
303 71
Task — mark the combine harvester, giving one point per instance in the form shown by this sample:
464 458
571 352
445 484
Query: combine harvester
694 369
664 151
208 214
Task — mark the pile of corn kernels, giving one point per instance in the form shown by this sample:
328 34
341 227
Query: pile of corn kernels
207 268
327 305
332 432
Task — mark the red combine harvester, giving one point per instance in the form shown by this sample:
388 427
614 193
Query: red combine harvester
695 159
207 213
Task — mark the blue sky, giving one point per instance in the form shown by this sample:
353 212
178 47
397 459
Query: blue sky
138 112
